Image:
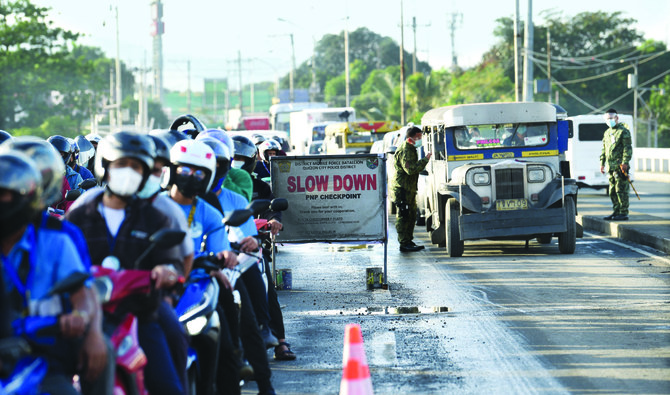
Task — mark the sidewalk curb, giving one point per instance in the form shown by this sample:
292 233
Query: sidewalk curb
640 229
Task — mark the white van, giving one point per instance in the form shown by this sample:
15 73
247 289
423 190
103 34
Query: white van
585 146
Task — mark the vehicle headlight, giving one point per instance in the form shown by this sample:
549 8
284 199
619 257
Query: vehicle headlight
482 178
195 326
536 175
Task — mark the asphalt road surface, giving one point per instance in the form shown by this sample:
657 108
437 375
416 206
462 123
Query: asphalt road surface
502 319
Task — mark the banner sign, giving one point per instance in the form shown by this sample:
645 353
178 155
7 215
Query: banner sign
331 197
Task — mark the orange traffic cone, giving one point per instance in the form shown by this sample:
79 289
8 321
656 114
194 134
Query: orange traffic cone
355 371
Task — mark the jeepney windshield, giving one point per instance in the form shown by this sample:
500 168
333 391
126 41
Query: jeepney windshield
475 137
363 137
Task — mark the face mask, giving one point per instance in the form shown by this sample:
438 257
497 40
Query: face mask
611 123
151 187
237 164
124 181
417 143
190 186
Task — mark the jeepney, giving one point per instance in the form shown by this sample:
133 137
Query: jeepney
499 172
355 137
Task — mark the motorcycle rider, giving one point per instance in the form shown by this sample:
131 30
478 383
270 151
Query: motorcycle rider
245 153
31 266
266 149
65 149
117 226
74 161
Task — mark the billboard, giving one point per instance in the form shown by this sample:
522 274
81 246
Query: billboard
331 198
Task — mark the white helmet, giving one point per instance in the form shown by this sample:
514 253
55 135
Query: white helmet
193 153
269 144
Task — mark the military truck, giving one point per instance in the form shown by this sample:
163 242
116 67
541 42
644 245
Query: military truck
499 172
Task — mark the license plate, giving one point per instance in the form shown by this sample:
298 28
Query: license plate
511 204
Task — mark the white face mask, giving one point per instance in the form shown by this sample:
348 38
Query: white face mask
418 143
611 123
124 181
152 186
237 164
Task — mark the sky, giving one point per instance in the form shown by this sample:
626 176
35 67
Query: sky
209 33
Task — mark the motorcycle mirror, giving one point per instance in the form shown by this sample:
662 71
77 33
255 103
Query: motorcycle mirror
166 238
88 183
279 204
237 217
69 284
258 206
72 195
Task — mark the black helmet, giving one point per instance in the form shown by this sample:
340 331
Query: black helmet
19 175
222 156
125 145
162 148
86 150
257 138
194 128
172 137
62 144
4 136
245 148
47 161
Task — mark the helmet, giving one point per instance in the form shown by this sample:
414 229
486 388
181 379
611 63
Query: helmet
257 138
220 135
4 136
245 148
195 125
19 175
194 153
222 155
47 161
63 145
74 150
125 145
86 150
268 145
171 136
162 148
94 138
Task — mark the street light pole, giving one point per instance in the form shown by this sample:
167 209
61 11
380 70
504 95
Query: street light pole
119 120
346 61
291 75
402 65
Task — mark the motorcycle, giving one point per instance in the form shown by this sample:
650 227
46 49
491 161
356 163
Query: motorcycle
113 286
22 372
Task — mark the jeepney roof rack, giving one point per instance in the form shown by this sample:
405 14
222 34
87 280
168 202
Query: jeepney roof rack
493 113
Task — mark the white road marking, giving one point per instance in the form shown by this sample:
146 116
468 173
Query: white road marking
639 251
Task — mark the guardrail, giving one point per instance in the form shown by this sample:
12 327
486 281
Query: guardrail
652 164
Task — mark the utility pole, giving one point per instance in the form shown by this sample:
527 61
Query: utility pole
118 73
402 65
517 44
112 113
291 75
239 73
456 17
188 86
528 48
414 26
157 34
346 61
549 63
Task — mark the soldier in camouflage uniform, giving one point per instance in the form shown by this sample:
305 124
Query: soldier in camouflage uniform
616 153
404 187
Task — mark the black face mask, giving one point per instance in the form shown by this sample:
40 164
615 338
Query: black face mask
190 186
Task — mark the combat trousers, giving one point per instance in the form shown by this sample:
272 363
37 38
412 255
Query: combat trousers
406 219
619 190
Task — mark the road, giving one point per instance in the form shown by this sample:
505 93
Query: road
654 198
517 320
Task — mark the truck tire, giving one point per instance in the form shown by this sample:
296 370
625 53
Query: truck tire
544 239
567 241
455 245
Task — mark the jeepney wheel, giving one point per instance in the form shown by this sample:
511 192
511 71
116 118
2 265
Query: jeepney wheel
455 245
429 223
544 239
567 241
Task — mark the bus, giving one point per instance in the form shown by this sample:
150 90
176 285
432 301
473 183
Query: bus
303 123
355 137
280 113
498 171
